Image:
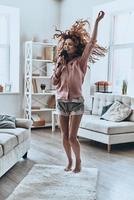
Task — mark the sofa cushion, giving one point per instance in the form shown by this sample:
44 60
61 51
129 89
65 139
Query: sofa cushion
7 121
93 123
117 112
8 142
1 151
131 117
103 99
20 133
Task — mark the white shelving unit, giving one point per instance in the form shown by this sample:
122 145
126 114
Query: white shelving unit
38 69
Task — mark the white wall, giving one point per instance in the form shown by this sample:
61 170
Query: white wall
37 19
73 10
70 12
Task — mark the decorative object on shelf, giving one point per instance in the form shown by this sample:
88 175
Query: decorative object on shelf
39 57
41 122
124 87
43 87
45 41
8 87
35 117
48 53
1 88
34 39
103 86
51 102
37 120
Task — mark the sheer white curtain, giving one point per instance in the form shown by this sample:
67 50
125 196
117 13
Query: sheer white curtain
9 48
122 49
4 49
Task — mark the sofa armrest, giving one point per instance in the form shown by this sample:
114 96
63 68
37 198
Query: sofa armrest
23 123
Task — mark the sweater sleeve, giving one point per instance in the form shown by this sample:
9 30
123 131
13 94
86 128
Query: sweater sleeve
85 55
56 73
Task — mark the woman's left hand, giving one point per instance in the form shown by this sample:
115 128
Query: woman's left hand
100 16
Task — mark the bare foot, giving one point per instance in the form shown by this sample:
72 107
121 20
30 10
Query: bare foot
77 168
69 167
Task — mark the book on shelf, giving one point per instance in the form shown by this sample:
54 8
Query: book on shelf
35 107
34 84
35 74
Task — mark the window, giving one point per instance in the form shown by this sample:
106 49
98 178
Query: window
121 49
9 48
4 49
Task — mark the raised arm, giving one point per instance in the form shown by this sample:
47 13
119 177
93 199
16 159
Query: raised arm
95 30
88 49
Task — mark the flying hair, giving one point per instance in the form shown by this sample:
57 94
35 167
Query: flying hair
80 36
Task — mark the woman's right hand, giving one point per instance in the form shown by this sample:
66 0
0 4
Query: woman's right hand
61 61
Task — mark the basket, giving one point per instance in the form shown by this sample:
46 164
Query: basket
39 123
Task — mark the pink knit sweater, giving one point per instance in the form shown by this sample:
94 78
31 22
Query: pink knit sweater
69 78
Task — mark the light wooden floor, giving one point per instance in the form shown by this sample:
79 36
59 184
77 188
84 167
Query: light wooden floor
116 170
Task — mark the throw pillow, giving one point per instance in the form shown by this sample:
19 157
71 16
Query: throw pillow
105 108
7 121
131 117
117 112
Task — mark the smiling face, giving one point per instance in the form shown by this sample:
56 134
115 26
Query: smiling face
69 46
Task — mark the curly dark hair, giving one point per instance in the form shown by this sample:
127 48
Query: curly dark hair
80 36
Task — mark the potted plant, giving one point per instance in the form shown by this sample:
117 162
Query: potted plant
124 87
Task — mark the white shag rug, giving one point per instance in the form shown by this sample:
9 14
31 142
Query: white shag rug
50 182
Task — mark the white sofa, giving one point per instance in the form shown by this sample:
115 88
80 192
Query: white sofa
107 132
14 144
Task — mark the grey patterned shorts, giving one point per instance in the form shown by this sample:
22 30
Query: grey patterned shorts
70 108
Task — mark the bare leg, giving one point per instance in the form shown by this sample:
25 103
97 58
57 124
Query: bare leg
64 126
74 125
